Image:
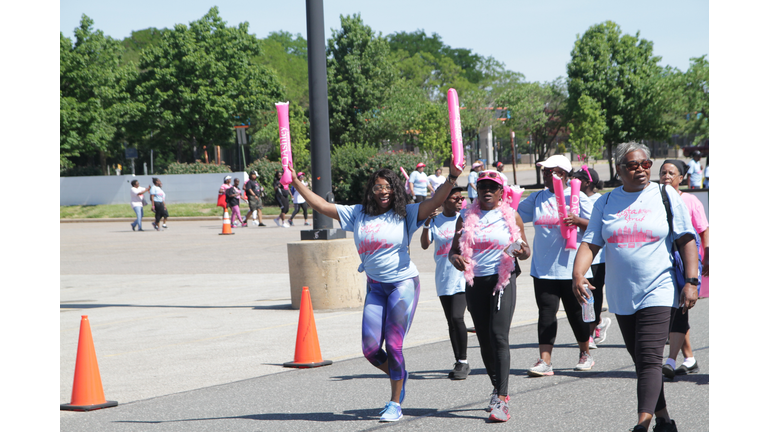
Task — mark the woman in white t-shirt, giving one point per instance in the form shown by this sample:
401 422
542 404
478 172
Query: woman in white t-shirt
383 226
483 231
435 180
439 228
631 224
137 203
298 201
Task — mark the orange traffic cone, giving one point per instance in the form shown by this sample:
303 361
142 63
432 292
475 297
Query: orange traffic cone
87 393
226 229
307 353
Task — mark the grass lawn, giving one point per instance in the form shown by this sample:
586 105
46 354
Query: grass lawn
176 210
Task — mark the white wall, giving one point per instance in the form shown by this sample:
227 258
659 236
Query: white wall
179 188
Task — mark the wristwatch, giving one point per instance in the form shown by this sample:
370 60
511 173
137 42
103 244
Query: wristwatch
692 281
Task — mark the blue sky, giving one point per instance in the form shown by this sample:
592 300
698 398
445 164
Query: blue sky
534 38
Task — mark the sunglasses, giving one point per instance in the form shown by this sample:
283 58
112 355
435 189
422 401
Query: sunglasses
633 165
457 198
489 174
559 171
488 186
382 188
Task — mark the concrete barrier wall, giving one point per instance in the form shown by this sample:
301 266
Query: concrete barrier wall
179 188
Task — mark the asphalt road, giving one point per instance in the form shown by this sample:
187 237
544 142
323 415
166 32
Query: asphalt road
191 330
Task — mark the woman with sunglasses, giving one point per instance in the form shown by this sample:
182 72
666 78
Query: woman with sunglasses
598 329
672 173
631 224
552 264
484 247
449 282
383 225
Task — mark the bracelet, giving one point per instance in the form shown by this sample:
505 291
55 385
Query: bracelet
452 177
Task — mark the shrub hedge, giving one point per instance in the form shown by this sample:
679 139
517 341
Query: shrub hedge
195 168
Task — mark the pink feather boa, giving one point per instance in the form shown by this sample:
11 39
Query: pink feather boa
471 225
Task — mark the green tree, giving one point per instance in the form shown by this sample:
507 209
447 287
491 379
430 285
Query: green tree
621 73
696 98
538 110
587 128
200 81
137 41
93 101
360 74
287 56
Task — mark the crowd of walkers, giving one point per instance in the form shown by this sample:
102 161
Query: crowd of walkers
625 244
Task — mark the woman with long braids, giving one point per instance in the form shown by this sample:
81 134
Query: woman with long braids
383 226
488 241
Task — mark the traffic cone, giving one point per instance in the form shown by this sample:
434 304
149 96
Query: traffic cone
87 393
226 229
307 354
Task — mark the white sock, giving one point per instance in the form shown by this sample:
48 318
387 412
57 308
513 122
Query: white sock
463 361
671 362
689 361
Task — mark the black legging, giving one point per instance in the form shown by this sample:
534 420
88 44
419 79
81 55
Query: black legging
549 292
160 211
282 201
454 307
598 281
492 326
296 208
645 334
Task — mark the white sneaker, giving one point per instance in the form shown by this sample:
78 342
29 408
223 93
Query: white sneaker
286 225
541 368
601 331
277 221
592 343
585 362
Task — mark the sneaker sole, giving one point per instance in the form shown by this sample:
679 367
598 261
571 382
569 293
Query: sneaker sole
584 368
496 419
686 371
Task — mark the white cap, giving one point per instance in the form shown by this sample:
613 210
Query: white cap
227 178
559 161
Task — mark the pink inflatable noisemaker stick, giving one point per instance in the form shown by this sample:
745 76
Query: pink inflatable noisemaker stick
514 194
570 243
457 144
557 183
286 155
406 178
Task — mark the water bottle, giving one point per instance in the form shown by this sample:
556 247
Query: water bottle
588 308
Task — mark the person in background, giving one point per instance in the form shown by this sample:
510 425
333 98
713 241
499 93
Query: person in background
484 233
254 192
233 202
472 181
695 173
435 180
552 264
630 222
157 196
680 331
418 183
500 167
383 226
223 190
281 196
137 203
450 283
706 175
598 329
298 200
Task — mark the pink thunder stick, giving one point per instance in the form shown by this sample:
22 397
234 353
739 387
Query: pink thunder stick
286 155
457 144
405 174
575 192
515 193
561 210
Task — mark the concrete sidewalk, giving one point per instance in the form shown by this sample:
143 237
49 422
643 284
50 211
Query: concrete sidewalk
191 330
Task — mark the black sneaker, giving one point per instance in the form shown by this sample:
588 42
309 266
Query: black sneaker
668 371
262 224
639 428
665 426
460 371
133 227
685 370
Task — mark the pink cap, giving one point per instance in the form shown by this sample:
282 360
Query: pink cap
299 174
419 165
490 175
